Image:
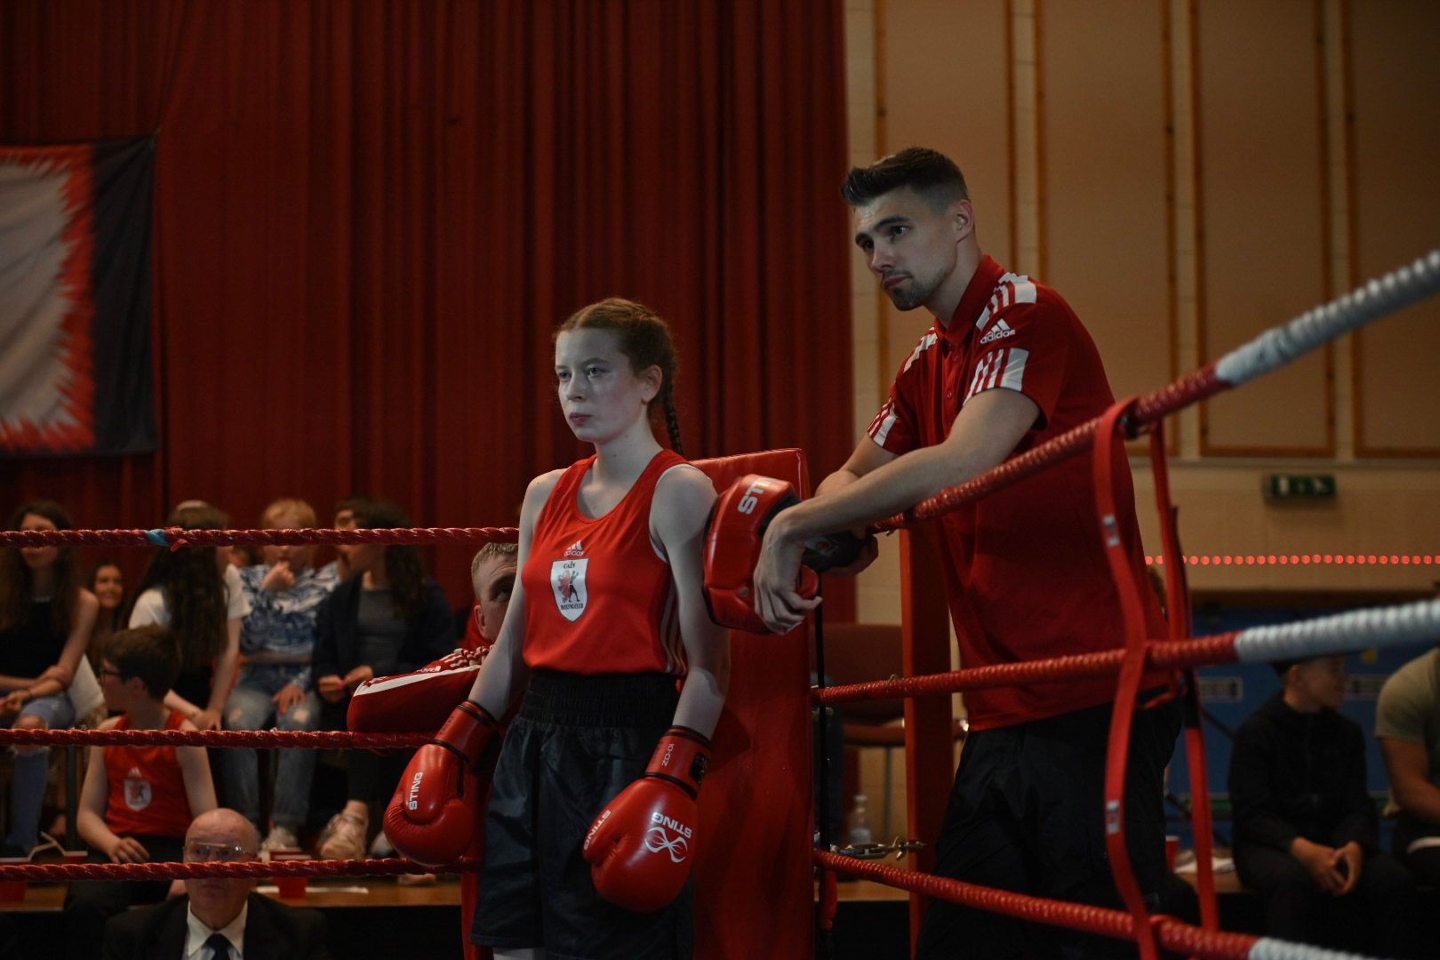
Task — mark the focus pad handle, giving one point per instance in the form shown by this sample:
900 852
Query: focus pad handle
830 551
733 538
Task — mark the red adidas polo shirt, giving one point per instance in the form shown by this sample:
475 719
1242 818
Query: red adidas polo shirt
1026 570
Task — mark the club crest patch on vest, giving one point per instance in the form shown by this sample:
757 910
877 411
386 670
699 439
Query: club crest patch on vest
138 793
567 582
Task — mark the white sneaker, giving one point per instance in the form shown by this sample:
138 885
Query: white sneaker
344 837
279 838
381 845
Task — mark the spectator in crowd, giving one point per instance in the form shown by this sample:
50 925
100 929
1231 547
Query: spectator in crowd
196 592
276 686
344 520
137 801
107 582
218 916
388 617
1407 723
46 617
1306 831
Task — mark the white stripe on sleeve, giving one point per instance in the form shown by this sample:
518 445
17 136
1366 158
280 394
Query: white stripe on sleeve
1015 369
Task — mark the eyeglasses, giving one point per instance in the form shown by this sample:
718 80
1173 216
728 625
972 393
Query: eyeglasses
198 852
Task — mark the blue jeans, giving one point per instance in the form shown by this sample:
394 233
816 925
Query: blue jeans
32 768
250 707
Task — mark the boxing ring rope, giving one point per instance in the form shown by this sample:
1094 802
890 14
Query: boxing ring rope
1406 624
187 870
1173 935
177 537
1269 351
263 739
1339 633
1300 559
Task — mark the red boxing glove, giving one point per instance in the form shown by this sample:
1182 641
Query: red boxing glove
733 537
431 819
640 847
416 701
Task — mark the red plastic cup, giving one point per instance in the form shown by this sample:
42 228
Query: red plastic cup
12 891
1172 851
291 888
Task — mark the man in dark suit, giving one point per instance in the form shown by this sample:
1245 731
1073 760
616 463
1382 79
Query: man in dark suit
218 918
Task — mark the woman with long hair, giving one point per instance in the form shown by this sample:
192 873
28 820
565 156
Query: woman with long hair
387 618
197 594
45 621
107 582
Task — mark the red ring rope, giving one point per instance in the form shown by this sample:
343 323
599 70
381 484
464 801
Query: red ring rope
178 536
173 870
1171 934
343 739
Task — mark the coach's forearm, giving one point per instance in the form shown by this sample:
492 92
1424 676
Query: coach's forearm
883 492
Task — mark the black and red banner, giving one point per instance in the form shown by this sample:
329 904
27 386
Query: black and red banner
75 375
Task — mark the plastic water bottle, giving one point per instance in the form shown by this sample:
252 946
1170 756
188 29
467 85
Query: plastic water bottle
860 833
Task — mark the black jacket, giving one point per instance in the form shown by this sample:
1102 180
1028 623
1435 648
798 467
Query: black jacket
1300 774
428 636
273 931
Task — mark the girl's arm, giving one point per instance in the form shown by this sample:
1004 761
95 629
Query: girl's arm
195 770
58 678
677 519
186 709
504 673
226 669
90 815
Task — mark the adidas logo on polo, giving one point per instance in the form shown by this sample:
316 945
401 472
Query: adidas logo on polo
1000 331
576 549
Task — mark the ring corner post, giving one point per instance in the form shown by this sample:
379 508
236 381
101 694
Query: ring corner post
929 721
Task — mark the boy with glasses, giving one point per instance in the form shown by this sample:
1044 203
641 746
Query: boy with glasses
137 801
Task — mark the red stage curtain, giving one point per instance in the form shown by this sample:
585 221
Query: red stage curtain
369 217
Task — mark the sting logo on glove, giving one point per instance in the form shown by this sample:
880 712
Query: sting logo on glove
657 840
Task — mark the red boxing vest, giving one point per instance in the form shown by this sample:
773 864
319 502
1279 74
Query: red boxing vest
598 597
147 788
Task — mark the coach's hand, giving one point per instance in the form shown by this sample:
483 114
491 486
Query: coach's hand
780 605
741 517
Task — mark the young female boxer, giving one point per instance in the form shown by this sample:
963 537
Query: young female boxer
588 849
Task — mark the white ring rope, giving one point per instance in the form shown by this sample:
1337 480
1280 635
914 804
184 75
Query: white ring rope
1268 948
1279 345
1341 633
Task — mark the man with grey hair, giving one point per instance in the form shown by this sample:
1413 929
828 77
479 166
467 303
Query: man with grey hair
219 918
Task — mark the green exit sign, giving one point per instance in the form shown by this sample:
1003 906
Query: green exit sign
1300 486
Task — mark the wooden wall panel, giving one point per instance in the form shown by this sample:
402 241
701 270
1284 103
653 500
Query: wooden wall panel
1106 181
1395 216
1262 210
945 84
